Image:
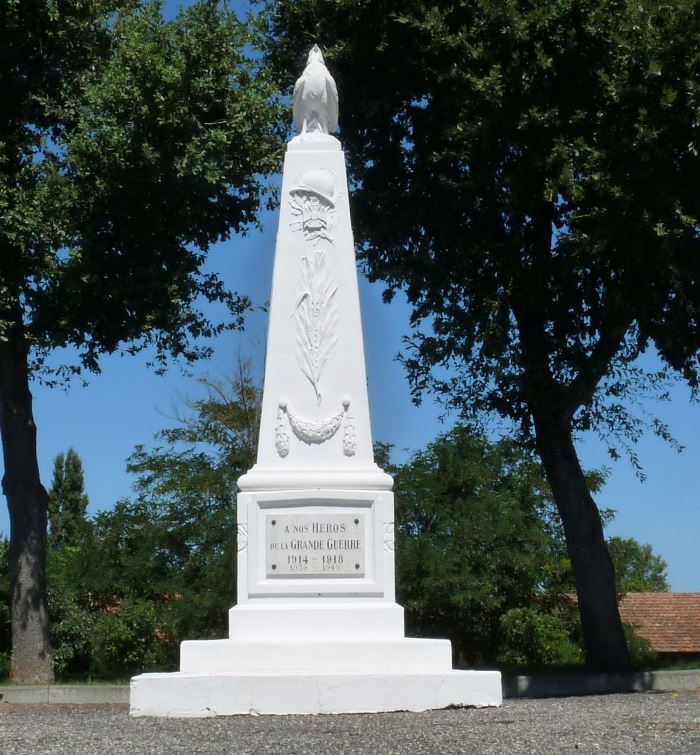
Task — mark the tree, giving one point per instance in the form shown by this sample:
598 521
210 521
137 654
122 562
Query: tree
527 174
5 637
128 145
637 567
472 539
185 489
165 559
67 500
481 553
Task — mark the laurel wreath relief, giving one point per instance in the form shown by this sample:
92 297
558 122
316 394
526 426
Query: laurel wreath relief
314 432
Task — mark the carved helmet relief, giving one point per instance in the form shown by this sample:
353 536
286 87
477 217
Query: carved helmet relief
313 201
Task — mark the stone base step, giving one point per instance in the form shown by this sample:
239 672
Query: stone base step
405 655
198 695
312 621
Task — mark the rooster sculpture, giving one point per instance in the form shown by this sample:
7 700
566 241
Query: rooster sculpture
315 97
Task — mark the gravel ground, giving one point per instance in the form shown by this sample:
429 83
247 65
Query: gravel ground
657 723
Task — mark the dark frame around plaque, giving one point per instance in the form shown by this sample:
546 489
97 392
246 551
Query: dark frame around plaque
374 508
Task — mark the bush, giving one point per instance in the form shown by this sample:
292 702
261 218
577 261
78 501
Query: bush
128 640
72 632
532 638
640 650
4 665
72 614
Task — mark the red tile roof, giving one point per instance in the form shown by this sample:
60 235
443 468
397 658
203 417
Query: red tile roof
669 620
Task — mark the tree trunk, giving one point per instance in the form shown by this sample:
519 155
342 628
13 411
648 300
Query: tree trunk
27 501
594 574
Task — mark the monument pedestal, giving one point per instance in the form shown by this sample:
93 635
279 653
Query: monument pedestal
280 660
319 643
316 628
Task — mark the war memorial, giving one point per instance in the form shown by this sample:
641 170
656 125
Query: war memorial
316 628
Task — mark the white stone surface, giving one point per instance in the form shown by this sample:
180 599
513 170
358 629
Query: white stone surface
315 620
377 579
315 99
315 414
398 656
291 478
314 640
201 695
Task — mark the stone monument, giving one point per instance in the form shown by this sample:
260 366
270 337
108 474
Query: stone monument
316 628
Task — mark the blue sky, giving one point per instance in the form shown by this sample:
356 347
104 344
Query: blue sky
128 403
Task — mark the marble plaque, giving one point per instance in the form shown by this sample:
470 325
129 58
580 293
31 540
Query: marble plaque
315 545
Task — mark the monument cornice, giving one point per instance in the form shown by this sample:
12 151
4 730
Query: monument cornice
304 478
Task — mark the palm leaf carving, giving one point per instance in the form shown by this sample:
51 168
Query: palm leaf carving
316 316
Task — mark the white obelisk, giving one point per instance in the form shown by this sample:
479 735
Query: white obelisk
316 628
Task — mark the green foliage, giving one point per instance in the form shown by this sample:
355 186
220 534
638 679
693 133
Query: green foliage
156 552
637 567
532 638
161 567
72 636
473 533
4 665
127 640
684 663
67 500
72 603
128 146
641 652
527 174
480 550
122 165
481 555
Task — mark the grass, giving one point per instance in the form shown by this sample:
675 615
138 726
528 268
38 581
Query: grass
659 664
673 664
7 682
76 680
